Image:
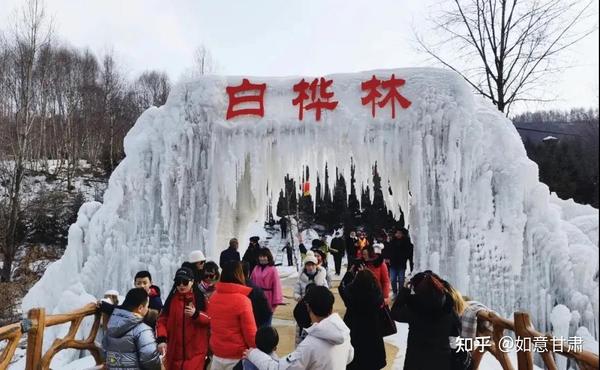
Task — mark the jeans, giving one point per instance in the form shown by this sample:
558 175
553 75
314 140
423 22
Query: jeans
248 365
397 278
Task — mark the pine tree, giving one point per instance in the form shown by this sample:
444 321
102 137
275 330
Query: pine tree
353 204
340 199
318 200
306 205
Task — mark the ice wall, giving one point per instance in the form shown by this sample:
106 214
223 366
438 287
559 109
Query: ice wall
477 212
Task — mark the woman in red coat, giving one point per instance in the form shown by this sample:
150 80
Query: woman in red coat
182 327
379 269
232 321
266 277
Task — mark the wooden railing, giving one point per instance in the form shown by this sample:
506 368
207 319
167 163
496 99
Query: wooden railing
37 322
524 331
35 325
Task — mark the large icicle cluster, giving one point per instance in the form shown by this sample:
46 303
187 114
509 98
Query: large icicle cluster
477 212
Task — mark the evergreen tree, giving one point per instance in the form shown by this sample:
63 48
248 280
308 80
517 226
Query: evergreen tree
340 199
353 204
365 199
306 205
318 200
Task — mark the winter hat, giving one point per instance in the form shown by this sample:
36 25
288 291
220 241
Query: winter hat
310 257
378 248
111 292
255 239
196 256
184 273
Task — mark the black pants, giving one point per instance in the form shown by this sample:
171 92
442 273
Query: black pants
283 233
337 261
290 259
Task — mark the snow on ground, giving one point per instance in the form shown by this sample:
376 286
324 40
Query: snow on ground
458 167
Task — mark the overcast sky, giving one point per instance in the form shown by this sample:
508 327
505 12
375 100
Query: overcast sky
274 37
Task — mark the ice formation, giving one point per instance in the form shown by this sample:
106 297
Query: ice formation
477 211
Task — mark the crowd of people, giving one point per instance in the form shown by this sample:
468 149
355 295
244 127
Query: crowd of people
219 316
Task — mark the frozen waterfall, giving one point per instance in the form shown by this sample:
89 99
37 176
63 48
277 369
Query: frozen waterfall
477 211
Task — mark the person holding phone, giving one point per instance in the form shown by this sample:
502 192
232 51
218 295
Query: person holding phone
182 327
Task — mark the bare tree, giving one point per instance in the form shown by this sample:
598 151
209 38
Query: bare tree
111 84
203 61
30 34
152 88
505 49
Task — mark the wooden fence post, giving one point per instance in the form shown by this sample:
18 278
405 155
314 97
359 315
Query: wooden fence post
35 338
522 326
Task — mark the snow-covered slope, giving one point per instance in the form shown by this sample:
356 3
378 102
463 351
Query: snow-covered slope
477 212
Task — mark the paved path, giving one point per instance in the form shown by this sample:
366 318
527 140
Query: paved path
286 326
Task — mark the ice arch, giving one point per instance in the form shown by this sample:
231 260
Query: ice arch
477 210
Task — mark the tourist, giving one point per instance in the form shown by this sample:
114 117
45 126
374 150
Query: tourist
197 258
303 250
429 311
351 245
283 225
267 340
129 342
289 251
397 253
251 254
337 249
363 299
209 279
379 270
143 279
233 327
327 345
183 325
322 262
260 305
231 253
361 243
311 273
266 277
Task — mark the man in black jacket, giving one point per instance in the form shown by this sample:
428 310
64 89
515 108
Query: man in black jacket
338 248
396 254
251 255
283 224
231 253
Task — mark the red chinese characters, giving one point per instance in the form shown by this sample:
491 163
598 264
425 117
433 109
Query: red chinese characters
392 96
319 97
240 95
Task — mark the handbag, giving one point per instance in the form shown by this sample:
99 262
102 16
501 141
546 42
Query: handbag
388 325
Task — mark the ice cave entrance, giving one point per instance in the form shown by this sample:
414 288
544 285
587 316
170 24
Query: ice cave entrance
192 178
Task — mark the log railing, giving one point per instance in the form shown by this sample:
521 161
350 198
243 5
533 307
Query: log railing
35 325
524 331
37 322
11 334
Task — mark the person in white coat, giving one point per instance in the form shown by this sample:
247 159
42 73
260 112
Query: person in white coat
327 346
312 273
